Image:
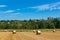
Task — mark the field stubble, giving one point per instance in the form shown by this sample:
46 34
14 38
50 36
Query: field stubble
30 36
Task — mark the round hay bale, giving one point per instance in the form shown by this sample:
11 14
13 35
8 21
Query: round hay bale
34 31
38 32
14 31
53 30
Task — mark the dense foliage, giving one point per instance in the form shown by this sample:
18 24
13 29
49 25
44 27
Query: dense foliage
50 23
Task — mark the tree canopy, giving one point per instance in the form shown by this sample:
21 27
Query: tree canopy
30 24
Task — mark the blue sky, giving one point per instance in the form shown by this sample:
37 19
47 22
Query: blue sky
29 9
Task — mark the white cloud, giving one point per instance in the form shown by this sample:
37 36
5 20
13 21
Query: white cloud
1 6
43 7
14 12
9 11
52 6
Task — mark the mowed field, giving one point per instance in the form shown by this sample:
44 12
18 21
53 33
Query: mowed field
30 36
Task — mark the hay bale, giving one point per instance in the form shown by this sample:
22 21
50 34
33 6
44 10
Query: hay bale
38 32
14 31
53 30
34 31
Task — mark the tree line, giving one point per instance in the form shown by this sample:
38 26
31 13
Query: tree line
50 23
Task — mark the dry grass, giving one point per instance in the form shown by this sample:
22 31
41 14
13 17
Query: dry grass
30 36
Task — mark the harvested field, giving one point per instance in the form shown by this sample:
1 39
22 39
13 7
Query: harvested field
30 36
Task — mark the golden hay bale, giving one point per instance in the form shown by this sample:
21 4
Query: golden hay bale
38 32
53 30
34 31
14 31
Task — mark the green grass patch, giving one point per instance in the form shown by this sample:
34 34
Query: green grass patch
27 30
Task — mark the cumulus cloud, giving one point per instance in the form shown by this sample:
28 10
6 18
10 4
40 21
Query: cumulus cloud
1 6
52 6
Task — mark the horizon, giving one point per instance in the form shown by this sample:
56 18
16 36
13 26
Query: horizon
29 9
